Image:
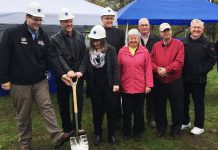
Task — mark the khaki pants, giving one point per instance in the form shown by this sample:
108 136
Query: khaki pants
23 97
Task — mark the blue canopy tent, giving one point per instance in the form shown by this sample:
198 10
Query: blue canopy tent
175 12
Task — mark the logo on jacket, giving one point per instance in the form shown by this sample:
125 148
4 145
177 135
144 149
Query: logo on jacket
48 75
40 42
23 40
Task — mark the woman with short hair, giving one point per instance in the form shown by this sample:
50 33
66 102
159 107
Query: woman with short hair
136 80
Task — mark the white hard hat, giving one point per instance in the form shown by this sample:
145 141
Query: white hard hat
35 9
107 12
164 26
97 32
65 14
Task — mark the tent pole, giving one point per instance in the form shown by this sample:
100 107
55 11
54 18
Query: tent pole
186 31
127 26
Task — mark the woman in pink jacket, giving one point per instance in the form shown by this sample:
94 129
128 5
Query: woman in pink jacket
136 80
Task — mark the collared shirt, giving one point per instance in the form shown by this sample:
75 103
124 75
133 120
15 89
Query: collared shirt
166 43
34 34
71 41
145 38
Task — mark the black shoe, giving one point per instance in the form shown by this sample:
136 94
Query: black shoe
176 136
151 124
138 138
112 140
65 136
160 133
126 137
97 140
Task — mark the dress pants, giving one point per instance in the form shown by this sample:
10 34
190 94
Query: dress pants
119 106
23 97
103 101
150 106
133 104
63 96
150 103
174 92
197 90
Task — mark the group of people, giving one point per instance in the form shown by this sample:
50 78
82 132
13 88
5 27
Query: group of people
119 76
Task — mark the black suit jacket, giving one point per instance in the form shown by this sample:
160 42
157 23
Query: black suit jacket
151 40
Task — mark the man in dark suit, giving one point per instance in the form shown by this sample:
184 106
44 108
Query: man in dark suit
116 38
148 40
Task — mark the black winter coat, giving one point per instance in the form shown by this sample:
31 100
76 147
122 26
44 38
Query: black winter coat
111 64
24 61
115 37
200 57
70 57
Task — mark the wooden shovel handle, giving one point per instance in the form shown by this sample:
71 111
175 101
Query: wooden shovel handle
73 85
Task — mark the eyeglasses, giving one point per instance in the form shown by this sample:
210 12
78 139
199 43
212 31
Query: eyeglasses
36 19
143 25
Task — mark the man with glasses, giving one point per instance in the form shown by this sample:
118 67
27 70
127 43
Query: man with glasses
167 58
70 47
148 40
116 38
25 56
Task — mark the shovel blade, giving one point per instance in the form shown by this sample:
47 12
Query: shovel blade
79 143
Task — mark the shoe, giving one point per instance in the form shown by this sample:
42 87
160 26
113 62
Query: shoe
138 138
65 136
112 140
80 132
160 133
97 140
176 136
126 137
197 131
152 124
186 126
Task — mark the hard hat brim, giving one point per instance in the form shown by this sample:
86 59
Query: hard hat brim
36 15
66 18
94 37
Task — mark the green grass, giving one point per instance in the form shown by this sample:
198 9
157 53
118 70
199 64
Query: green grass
41 140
